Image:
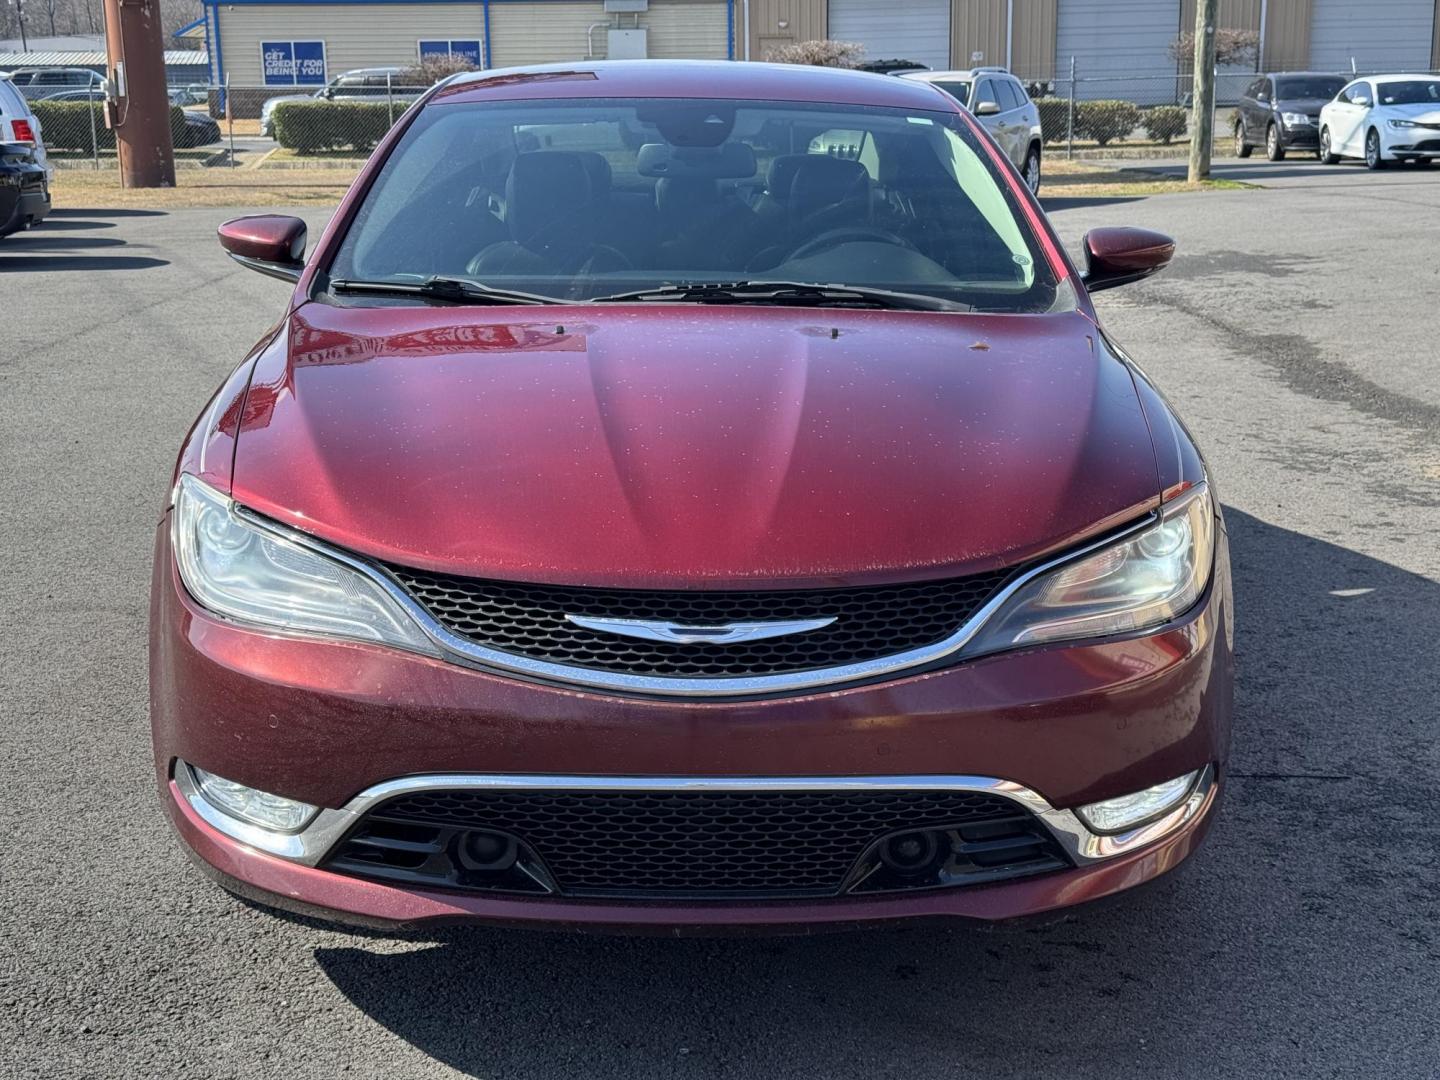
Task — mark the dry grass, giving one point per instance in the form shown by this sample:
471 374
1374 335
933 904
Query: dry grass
203 188
1083 179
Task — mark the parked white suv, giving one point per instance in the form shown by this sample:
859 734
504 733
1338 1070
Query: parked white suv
19 124
1383 118
1001 103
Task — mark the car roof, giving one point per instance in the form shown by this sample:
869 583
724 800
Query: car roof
371 71
1306 75
940 76
1422 76
712 79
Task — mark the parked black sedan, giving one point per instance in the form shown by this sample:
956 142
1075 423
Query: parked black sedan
193 128
24 190
1282 111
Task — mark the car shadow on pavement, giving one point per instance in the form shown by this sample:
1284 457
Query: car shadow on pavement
1302 903
59 246
81 211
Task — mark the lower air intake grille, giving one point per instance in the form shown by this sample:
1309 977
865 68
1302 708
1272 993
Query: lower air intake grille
530 621
695 844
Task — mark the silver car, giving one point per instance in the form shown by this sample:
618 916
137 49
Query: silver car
1001 103
363 84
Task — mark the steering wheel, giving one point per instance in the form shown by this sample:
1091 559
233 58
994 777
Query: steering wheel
846 234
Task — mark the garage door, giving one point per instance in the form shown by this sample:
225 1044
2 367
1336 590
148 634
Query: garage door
1120 47
543 33
917 30
687 29
1393 36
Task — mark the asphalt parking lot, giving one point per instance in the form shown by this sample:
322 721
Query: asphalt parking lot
1296 333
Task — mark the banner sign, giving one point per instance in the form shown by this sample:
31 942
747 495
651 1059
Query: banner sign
465 50
293 63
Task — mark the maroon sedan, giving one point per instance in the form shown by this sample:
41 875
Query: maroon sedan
689 495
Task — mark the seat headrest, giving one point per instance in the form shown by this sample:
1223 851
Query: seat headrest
677 196
597 169
782 175
547 196
821 181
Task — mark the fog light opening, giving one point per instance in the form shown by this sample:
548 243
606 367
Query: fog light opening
487 851
1126 812
273 813
916 853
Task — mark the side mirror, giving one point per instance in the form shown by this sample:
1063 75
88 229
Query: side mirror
987 108
1363 102
1119 256
270 243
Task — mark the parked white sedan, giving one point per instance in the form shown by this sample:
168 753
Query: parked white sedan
1383 118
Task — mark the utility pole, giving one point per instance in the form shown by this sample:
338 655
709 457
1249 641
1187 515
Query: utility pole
138 104
1202 121
20 14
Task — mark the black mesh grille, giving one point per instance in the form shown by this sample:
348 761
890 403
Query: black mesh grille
529 620
717 844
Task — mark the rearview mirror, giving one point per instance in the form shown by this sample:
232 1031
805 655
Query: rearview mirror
1118 256
270 243
987 108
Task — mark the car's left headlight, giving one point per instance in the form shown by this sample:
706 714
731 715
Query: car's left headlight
1144 579
1401 123
238 568
1294 118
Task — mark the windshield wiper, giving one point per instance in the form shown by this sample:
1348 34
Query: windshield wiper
789 293
449 290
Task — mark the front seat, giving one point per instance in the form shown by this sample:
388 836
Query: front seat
550 216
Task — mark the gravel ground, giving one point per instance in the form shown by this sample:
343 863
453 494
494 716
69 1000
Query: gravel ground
1295 333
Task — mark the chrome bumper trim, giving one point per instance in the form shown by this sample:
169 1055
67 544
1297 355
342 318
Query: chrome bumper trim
313 843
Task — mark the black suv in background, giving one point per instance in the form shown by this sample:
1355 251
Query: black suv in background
24 189
1282 112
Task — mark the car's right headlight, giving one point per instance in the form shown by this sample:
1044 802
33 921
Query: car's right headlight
1144 579
1401 123
238 568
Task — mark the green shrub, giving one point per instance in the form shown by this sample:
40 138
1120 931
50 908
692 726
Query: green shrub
1104 121
1054 118
310 126
1165 122
65 125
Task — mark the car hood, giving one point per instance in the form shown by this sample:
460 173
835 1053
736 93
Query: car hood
1310 106
646 446
1426 112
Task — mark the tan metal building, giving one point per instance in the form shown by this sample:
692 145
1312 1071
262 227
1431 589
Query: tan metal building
294 44
1115 38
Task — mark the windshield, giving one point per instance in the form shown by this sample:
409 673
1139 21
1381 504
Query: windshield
1316 86
1414 92
960 91
577 200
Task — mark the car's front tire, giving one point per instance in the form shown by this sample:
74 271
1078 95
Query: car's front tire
1031 169
1274 145
1327 154
1242 148
1374 156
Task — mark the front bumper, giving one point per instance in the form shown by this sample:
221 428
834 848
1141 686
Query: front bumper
324 721
1301 136
1409 142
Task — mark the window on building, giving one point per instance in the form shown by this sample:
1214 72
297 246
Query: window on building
460 48
293 63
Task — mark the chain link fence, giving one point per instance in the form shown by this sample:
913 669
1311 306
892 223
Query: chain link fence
1146 112
338 126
